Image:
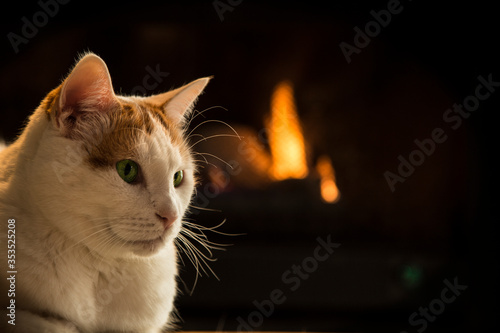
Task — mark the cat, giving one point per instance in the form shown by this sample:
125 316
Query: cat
92 197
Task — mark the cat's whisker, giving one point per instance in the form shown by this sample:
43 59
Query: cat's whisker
188 251
196 114
212 229
200 162
213 121
196 134
181 242
214 136
81 241
207 209
199 166
193 116
101 246
102 240
201 233
217 246
202 257
205 161
218 158
98 233
202 239
180 246
195 253
204 158
180 257
196 256
199 257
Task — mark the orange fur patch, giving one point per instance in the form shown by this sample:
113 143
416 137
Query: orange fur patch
132 122
50 100
111 136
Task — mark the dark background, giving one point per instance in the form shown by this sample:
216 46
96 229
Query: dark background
397 247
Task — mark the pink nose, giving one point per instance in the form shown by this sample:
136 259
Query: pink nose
167 219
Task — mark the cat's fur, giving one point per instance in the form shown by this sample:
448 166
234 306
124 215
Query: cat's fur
94 253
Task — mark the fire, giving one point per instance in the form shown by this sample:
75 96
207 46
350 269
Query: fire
329 190
287 145
286 140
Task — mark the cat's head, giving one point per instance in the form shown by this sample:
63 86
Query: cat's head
115 173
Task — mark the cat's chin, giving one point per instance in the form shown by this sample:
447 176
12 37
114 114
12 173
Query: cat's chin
147 248
144 248
150 247
131 249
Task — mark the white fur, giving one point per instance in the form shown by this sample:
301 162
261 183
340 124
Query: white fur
74 272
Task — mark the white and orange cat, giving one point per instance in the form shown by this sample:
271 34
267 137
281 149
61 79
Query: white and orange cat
95 189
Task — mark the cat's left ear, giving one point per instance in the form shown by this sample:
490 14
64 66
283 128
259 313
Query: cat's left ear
179 103
86 90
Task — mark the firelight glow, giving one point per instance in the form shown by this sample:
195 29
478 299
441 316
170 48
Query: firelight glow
329 190
286 140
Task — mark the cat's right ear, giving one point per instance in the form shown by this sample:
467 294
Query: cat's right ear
87 89
178 104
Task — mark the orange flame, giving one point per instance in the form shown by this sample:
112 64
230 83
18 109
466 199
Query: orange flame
285 136
329 190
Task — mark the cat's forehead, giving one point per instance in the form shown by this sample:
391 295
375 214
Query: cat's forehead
135 108
133 128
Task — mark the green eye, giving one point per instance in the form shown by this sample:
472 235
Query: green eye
127 170
178 176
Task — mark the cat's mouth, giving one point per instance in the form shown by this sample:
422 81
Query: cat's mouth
144 246
147 242
128 236
158 239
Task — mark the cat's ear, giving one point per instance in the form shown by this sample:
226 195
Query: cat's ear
179 103
87 88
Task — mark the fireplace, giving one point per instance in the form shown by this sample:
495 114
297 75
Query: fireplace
299 146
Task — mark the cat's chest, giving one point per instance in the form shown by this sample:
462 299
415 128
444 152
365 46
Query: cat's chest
114 295
134 284
130 293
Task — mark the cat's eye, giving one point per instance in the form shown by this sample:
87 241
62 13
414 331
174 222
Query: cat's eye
178 176
128 170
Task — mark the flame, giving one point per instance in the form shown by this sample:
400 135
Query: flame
329 190
285 136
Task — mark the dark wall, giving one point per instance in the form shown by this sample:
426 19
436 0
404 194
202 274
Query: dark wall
398 245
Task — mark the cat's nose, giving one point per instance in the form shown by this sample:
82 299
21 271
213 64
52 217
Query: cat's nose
167 219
